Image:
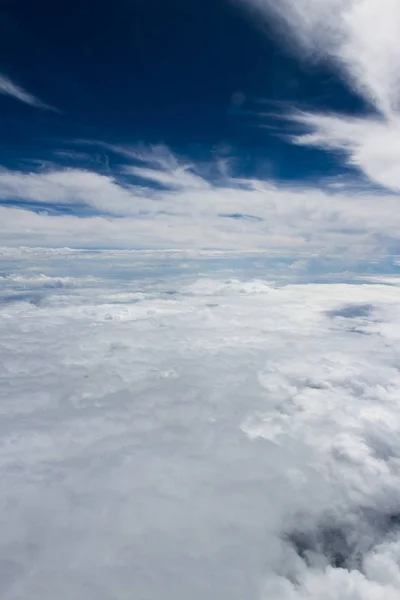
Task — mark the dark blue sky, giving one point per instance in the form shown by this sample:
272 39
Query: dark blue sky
152 71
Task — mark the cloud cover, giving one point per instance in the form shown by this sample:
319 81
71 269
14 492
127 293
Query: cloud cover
170 430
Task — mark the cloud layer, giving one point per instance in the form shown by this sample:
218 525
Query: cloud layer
162 202
186 434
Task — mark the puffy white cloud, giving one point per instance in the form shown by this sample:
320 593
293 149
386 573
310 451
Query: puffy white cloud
171 433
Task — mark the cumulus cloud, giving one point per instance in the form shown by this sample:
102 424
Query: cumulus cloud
9 88
195 433
360 37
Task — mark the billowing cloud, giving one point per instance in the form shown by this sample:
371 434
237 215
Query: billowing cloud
9 88
196 433
360 37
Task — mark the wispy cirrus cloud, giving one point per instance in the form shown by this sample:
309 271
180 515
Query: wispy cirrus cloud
360 37
371 145
10 88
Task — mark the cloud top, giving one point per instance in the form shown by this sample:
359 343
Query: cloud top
195 433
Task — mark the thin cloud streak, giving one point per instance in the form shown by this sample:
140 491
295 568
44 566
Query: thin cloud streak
9 88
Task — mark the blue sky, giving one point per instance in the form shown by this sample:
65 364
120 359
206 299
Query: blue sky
191 75
102 104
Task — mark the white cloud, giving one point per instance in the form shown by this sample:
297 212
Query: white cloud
70 186
9 88
183 435
187 211
371 145
159 165
180 177
361 38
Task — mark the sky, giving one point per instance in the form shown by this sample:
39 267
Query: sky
224 124
199 300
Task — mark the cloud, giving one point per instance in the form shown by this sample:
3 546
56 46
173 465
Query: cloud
183 434
360 37
371 145
179 177
81 208
68 186
9 88
154 165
